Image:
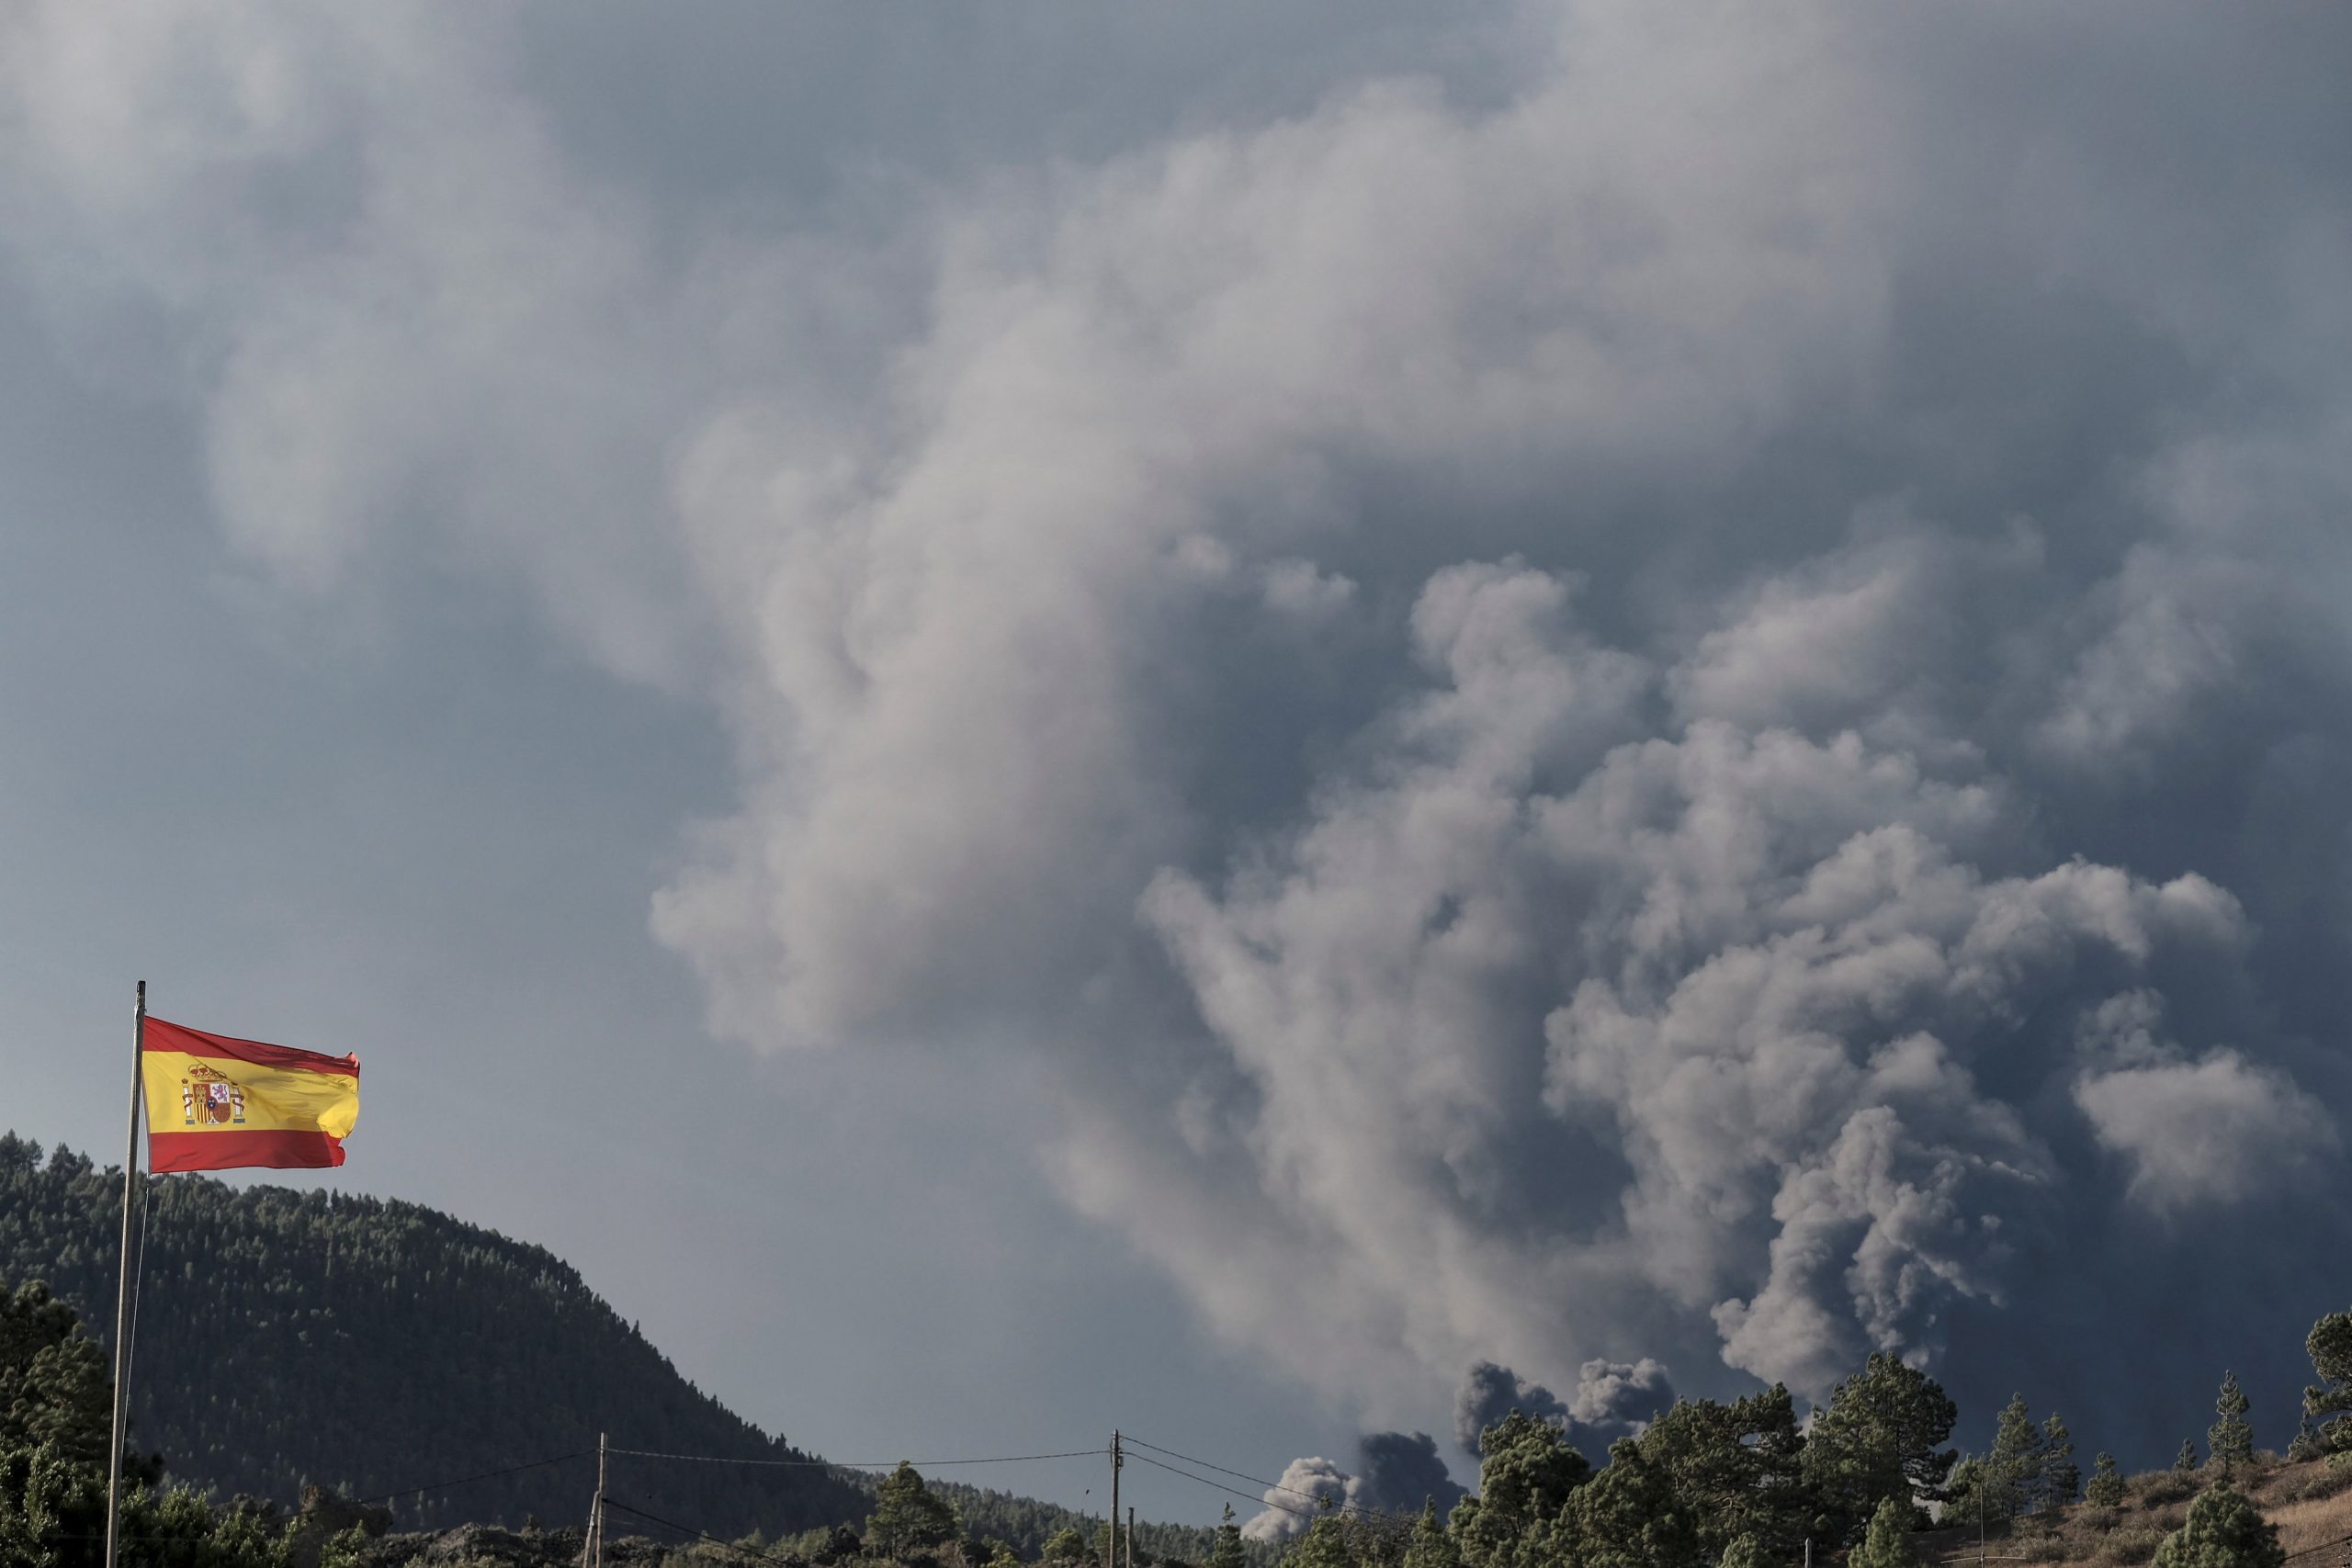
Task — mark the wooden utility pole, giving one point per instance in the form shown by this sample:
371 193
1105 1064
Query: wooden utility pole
1111 1545
1131 1535
593 1551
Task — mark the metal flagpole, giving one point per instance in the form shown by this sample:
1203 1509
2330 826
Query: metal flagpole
122 1291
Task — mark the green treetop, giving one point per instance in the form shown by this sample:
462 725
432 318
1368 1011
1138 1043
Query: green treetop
1066 1546
910 1521
2106 1490
56 1425
1881 1437
1429 1547
1737 1470
1963 1490
2061 1478
1325 1545
2327 1405
54 1387
1227 1552
2224 1530
1527 1471
2012 1474
2185 1462
2230 1440
1887 1543
1626 1516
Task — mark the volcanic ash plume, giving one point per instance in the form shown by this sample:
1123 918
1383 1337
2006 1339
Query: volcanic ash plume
1626 710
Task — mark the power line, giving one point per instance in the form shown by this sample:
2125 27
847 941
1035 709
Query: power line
1315 1497
1358 1509
2322 1546
612 1502
1246 1496
856 1463
1253 1480
469 1479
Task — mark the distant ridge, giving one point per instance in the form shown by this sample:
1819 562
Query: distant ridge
288 1337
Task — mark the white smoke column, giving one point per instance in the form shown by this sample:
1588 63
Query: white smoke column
1307 1487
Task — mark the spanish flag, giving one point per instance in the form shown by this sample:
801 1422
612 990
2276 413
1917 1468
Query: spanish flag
214 1102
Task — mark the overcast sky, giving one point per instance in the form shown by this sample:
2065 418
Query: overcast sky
1182 717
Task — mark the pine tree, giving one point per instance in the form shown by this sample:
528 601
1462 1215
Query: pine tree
1963 1490
1626 1516
1736 1470
2327 1405
2305 1444
2106 1490
1527 1471
2231 1439
1067 1545
2185 1462
1227 1552
1325 1545
56 1425
1745 1551
1887 1544
2013 1470
1428 1547
910 1520
1879 1437
2061 1478
2224 1530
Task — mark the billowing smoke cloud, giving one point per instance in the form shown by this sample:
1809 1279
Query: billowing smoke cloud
1397 1473
1306 1489
1401 1472
1491 1393
1623 1394
1613 1399
1694 707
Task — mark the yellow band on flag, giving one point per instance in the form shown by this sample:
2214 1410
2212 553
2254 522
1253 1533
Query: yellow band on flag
215 1102
196 1094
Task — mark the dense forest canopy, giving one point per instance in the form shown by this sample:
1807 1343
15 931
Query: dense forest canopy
288 1337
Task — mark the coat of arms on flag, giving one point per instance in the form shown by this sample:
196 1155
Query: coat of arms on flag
209 1099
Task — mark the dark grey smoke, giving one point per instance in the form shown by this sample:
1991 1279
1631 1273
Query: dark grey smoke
1491 1393
1613 1399
1400 1472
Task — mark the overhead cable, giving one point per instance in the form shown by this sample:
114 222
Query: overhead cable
855 1463
1315 1497
1253 1480
469 1479
1357 1509
613 1502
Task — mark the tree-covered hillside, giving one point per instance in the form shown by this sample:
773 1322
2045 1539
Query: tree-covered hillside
288 1337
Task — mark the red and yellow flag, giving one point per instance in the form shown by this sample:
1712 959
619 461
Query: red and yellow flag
214 1102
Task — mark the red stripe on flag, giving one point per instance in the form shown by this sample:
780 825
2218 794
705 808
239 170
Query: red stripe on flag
161 1036
286 1149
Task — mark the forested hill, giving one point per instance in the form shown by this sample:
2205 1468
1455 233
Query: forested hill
288 1337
